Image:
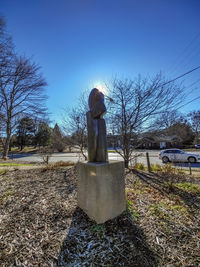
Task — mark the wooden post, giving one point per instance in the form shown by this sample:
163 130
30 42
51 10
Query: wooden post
148 162
189 164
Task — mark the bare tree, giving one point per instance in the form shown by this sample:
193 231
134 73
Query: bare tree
75 125
6 61
21 88
167 119
136 103
22 94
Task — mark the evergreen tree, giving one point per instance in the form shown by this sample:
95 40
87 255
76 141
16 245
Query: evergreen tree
25 132
57 139
43 135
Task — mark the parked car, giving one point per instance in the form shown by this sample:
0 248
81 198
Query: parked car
177 155
197 146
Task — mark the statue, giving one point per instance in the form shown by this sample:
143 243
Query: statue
101 184
96 127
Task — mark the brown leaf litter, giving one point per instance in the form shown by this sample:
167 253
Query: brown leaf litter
40 224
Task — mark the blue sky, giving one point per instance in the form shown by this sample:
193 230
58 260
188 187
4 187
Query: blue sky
81 42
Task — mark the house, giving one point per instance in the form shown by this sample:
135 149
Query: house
147 140
159 140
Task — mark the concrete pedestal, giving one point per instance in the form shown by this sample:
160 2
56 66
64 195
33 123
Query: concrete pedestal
101 189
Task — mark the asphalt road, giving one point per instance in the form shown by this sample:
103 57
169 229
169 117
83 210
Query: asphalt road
74 157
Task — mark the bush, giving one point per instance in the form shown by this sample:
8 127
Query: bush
139 166
168 169
171 176
156 167
46 153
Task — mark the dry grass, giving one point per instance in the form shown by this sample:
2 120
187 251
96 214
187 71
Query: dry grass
56 165
40 224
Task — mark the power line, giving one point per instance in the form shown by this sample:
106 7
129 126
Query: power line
182 75
192 84
161 112
179 58
187 60
191 88
190 59
188 102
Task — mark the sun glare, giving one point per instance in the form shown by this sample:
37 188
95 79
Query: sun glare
101 88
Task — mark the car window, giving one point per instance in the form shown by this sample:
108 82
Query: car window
168 151
173 151
177 151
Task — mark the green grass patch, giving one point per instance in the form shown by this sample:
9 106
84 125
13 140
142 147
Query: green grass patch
99 229
166 169
167 210
189 187
14 164
3 171
9 192
130 209
159 211
138 189
178 208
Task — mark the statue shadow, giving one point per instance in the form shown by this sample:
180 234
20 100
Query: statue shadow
158 182
117 242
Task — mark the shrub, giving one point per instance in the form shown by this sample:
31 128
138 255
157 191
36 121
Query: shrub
171 176
46 153
168 169
156 167
139 166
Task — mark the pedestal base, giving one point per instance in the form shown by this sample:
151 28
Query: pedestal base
101 189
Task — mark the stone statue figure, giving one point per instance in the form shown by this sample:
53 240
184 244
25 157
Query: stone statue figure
96 127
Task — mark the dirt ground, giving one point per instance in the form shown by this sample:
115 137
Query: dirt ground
40 224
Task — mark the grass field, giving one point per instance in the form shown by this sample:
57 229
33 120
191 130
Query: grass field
12 164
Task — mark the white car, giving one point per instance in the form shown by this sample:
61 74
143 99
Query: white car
177 155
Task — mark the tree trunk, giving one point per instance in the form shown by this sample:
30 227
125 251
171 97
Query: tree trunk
82 152
126 163
7 142
6 148
21 147
126 153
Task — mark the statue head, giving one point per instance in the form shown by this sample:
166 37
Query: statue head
96 104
